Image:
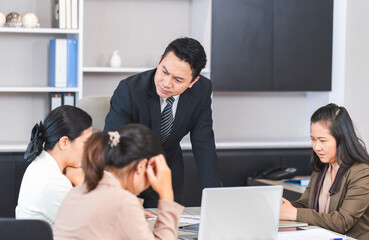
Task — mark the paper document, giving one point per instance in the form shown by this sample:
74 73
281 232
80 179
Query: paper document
184 219
189 219
316 234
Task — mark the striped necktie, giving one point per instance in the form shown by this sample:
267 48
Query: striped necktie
166 120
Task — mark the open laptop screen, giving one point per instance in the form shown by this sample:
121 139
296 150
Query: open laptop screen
240 213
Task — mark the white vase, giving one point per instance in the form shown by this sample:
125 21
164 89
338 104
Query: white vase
115 60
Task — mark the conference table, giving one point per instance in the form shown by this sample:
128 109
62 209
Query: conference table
196 211
186 211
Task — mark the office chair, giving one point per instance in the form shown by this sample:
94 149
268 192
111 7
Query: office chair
15 229
98 107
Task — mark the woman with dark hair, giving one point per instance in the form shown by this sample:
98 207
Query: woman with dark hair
55 150
337 197
118 166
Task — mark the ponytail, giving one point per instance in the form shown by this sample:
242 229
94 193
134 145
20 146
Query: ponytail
93 162
35 146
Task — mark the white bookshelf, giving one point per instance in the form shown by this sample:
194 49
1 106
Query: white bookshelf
37 89
24 91
125 70
39 30
115 70
13 147
24 69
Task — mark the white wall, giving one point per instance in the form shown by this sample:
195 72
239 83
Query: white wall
259 116
140 30
356 97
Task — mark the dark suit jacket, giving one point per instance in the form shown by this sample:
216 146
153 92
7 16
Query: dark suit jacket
348 208
135 101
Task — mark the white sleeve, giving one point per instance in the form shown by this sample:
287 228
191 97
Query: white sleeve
54 193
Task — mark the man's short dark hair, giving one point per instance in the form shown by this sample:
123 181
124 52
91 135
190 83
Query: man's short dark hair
190 51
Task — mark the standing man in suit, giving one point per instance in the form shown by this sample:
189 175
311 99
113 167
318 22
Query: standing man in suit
173 100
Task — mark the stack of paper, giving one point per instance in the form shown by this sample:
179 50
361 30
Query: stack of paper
316 234
184 219
189 219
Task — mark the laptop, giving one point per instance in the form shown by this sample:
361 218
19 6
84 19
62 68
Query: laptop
239 213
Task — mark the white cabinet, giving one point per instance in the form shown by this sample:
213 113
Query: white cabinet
139 30
24 64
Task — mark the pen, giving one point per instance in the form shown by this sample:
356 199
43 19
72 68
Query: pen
336 239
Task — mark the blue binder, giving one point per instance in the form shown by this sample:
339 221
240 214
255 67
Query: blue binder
58 63
72 62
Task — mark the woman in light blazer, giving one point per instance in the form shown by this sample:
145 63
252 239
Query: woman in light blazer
118 166
337 197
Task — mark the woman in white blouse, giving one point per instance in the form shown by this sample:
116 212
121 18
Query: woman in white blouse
55 149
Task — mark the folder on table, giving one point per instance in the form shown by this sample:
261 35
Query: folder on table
289 224
303 182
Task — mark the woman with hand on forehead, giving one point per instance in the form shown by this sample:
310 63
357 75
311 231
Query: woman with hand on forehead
337 197
118 166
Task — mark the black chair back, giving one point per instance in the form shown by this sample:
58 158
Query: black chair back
12 168
14 229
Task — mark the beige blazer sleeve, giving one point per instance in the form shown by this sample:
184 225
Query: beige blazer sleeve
136 227
354 204
168 220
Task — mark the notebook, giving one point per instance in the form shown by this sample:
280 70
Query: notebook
289 224
239 213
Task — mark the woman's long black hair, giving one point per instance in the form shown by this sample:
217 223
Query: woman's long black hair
350 148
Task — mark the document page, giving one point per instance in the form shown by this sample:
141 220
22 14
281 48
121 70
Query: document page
189 219
184 219
316 234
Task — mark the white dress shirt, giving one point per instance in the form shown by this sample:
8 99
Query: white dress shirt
42 190
163 103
